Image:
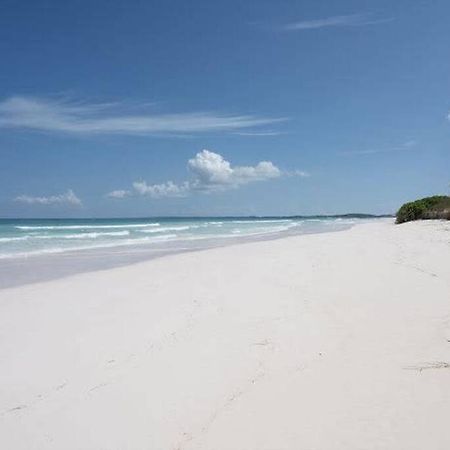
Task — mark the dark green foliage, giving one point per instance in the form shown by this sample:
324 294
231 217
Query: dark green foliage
436 207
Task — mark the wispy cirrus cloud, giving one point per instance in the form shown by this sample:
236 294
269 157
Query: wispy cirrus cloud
68 198
258 133
210 172
350 20
405 146
83 118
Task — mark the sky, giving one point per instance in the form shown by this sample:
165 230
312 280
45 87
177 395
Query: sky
156 108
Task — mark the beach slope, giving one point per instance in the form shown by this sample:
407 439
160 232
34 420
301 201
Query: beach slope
333 341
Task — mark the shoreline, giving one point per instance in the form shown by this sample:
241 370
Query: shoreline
19 271
324 341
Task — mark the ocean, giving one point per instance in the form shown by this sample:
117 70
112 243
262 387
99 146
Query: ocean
24 238
37 249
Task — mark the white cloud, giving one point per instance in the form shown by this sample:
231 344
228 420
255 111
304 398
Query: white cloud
350 20
210 173
120 193
298 173
168 189
68 198
106 118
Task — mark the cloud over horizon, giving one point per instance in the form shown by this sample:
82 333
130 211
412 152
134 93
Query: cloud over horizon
68 198
210 173
56 115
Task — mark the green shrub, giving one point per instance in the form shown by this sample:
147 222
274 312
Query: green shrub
436 207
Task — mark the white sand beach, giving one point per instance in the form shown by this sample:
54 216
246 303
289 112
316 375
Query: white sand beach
333 341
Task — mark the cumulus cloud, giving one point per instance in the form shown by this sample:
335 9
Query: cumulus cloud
210 172
52 115
68 198
119 193
168 189
298 173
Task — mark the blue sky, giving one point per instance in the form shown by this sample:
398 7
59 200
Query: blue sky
142 108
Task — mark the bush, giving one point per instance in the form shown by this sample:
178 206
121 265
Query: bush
436 207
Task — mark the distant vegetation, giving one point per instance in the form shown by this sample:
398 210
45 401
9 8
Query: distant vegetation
436 207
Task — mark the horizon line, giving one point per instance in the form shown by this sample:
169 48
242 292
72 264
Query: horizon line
253 216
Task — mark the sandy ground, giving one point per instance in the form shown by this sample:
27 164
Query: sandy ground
335 341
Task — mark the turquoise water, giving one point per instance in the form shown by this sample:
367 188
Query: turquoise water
27 238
